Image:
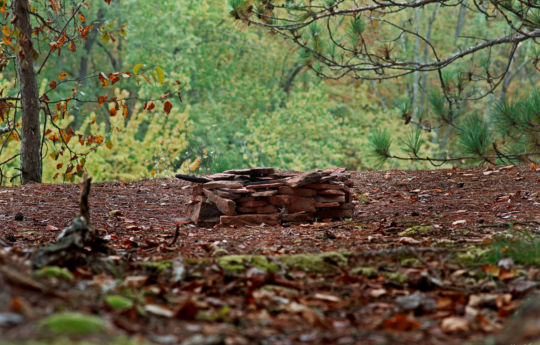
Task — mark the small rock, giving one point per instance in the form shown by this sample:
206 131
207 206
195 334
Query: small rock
328 234
417 302
10 319
19 216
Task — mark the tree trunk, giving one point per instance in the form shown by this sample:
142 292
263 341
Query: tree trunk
31 136
416 74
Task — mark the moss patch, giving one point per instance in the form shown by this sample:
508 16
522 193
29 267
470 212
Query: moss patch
66 341
316 263
418 230
73 323
55 272
410 262
369 272
239 263
310 263
156 265
396 277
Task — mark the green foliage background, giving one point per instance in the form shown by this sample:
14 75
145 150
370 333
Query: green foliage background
238 108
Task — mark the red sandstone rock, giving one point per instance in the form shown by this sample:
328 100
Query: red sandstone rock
297 217
253 203
264 193
222 176
203 212
251 219
331 192
318 186
330 198
222 184
262 210
226 194
327 204
334 213
196 189
265 185
304 179
226 206
297 191
237 190
260 192
294 204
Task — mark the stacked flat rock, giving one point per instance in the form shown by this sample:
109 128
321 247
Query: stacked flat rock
263 195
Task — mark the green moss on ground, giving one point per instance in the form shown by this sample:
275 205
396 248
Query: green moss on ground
311 263
418 230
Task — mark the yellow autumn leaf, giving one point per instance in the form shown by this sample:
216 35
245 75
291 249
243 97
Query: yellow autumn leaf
160 75
5 30
62 75
137 68
195 165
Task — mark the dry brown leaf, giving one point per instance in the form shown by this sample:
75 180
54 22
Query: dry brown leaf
454 324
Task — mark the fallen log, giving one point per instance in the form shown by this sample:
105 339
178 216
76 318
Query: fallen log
192 178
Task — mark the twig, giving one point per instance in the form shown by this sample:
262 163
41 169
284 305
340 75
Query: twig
176 234
9 159
85 190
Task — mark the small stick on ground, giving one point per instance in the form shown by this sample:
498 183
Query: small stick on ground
69 249
176 234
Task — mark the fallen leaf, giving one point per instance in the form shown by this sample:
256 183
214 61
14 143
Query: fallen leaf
454 324
135 282
459 222
376 293
491 270
401 323
486 325
327 297
159 310
507 274
408 240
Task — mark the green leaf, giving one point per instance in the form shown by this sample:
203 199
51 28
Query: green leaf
160 75
55 272
72 322
118 302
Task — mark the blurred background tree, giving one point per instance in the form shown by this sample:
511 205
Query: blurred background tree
248 98
452 54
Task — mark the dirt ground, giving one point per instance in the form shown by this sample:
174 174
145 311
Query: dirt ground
430 257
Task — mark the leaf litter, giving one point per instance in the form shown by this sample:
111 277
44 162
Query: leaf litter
430 257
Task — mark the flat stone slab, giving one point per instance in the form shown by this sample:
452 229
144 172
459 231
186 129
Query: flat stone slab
226 206
222 184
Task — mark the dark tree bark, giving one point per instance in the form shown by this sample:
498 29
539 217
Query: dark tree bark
31 138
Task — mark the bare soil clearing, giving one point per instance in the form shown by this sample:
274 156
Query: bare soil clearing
412 265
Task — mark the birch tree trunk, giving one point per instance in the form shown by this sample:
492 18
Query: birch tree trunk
31 136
